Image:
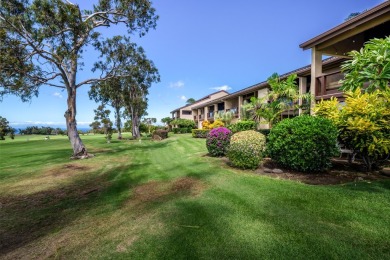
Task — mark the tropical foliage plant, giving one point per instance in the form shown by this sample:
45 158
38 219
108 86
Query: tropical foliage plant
217 123
225 117
206 125
369 68
363 123
283 96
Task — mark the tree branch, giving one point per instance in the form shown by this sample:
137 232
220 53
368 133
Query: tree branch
95 80
70 3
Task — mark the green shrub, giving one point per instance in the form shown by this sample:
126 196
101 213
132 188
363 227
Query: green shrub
183 123
200 133
246 149
182 130
303 143
242 126
218 141
162 133
264 131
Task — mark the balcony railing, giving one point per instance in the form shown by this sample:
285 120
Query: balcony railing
328 85
234 110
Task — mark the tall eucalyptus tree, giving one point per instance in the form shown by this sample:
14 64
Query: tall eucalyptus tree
42 43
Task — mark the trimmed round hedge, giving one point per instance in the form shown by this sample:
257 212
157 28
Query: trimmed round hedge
246 149
218 141
303 143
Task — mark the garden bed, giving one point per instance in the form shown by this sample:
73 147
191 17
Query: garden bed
340 172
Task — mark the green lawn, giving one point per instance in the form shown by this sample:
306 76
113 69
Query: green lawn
169 200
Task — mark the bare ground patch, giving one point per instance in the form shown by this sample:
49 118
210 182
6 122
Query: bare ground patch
67 170
341 172
159 191
18 228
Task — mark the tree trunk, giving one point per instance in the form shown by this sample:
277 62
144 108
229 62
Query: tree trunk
367 161
118 122
79 150
135 124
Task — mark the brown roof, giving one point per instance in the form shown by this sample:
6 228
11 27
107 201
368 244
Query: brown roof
300 72
379 10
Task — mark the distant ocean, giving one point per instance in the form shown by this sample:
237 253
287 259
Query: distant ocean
24 126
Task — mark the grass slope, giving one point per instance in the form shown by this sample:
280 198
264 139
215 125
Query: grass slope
168 200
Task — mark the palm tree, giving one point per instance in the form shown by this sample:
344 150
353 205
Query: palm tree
190 101
284 95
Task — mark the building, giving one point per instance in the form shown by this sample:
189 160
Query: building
325 74
338 41
189 112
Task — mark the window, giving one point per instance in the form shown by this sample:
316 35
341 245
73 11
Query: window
186 112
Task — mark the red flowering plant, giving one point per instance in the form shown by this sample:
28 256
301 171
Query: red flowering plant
218 141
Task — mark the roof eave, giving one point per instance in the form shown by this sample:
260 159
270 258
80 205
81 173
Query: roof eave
368 15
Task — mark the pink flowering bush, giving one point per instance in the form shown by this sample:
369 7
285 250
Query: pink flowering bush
218 141
246 149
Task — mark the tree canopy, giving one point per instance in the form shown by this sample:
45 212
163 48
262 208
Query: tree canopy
190 101
42 43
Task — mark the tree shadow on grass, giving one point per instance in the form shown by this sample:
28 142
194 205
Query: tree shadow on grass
227 225
28 217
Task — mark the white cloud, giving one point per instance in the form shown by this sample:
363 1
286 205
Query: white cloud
57 94
183 98
177 84
224 87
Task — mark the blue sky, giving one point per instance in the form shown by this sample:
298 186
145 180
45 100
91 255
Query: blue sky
201 46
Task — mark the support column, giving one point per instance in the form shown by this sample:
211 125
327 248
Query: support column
199 119
240 101
316 71
206 112
302 90
263 93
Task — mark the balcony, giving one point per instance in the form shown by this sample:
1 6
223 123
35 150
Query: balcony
210 115
234 110
328 85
